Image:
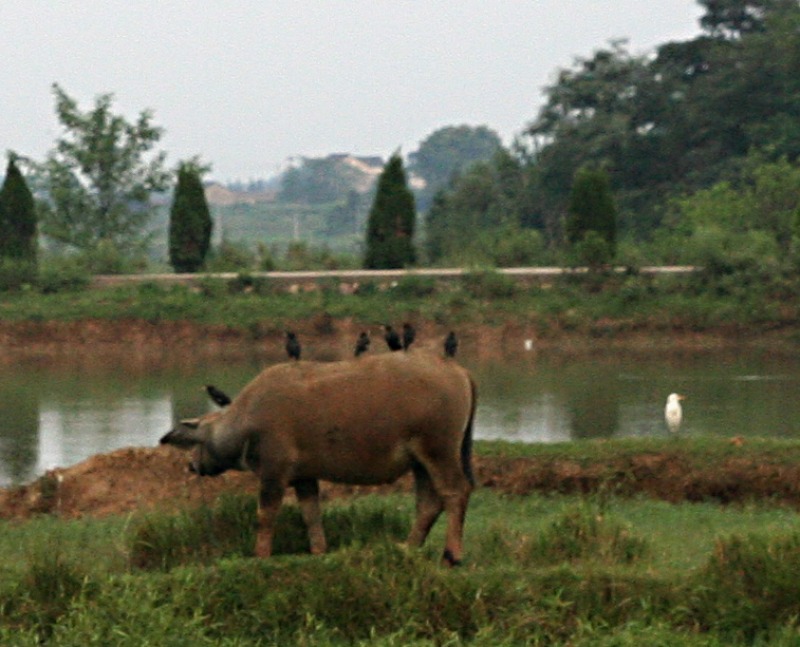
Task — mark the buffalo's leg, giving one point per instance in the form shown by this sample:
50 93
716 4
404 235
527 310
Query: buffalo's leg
308 498
429 506
269 504
454 489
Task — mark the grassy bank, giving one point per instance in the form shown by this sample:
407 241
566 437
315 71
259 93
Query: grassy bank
600 305
543 568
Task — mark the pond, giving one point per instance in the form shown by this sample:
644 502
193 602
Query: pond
54 413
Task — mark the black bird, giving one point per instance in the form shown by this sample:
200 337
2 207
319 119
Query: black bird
408 335
450 345
392 338
362 343
292 345
217 396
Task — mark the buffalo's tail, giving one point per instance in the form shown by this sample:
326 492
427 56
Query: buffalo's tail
466 442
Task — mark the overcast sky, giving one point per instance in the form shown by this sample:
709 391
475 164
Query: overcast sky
247 84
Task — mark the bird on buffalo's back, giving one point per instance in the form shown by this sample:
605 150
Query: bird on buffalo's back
450 345
392 338
362 343
408 335
673 412
292 345
217 396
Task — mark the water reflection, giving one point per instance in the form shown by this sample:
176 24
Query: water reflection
66 430
56 414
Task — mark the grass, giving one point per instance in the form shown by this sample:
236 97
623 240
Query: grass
541 569
611 306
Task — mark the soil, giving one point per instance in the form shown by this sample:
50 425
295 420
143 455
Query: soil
140 478
143 478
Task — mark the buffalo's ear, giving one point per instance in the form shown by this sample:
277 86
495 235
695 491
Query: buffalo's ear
186 434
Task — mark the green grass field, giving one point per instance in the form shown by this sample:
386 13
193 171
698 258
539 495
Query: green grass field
540 569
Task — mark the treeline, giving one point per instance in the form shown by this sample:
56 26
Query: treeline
700 143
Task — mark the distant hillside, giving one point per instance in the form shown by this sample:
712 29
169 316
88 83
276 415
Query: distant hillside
219 195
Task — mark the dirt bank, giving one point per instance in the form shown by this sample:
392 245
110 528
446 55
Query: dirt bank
326 338
134 479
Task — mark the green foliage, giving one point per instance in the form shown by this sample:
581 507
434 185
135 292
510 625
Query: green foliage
549 569
480 216
62 275
447 152
322 180
488 284
592 250
746 223
164 541
586 531
230 256
18 221
591 209
16 274
675 122
190 223
749 585
415 286
392 218
100 176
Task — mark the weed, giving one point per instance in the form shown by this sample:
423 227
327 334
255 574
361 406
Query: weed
587 531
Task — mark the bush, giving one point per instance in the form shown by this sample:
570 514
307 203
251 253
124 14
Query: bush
488 284
163 541
230 257
586 531
15 274
63 274
749 585
107 258
592 250
415 286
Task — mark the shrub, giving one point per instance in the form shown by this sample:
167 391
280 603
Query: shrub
415 286
230 257
163 541
585 531
489 284
749 585
62 274
15 274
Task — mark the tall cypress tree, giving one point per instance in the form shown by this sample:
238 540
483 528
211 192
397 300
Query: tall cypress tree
17 216
390 227
591 208
190 221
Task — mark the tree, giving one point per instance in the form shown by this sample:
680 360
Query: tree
323 180
448 152
100 176
592 216
17 216
190 223
390 225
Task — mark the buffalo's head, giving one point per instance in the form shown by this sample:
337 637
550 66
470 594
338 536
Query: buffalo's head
197 433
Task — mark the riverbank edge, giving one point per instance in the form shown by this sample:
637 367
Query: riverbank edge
327 338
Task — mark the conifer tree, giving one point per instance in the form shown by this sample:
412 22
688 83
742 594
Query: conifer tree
591 209
17 216
190 221
390 226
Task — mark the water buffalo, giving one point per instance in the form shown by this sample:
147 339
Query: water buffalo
365 421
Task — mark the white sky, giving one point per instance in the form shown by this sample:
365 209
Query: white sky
246 84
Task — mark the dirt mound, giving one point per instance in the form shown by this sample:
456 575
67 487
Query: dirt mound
140 478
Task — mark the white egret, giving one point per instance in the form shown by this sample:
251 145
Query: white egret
673 412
